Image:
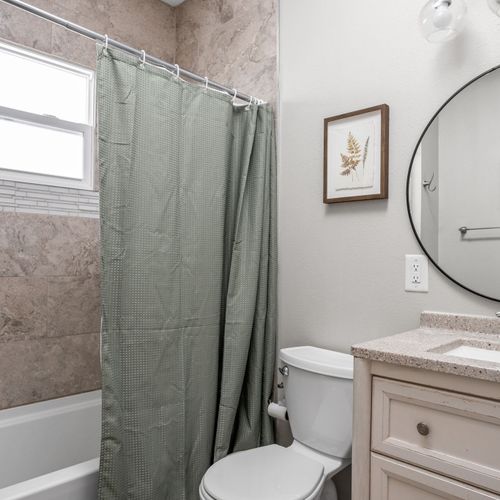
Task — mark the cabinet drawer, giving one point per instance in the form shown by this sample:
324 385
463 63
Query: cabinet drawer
454 434
392 480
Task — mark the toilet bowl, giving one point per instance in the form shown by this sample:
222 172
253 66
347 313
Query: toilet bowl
270 473
318 391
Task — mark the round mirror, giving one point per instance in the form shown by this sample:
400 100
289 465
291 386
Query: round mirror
453 187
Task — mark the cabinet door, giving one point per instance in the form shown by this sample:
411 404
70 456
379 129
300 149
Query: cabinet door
393 480
454 434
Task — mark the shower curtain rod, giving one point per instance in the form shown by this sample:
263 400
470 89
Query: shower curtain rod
139 53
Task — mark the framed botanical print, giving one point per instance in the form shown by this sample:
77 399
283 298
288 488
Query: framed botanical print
356 156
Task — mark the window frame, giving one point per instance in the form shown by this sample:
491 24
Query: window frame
87 130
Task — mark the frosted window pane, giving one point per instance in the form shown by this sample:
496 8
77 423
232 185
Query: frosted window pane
39 150
38 87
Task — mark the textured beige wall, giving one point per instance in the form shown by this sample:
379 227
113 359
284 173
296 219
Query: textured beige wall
49 269
232 41
49 265
146 24
50 307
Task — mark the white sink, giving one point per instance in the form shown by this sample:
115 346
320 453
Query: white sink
479 353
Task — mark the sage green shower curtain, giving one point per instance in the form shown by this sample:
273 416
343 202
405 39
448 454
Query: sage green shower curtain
188 229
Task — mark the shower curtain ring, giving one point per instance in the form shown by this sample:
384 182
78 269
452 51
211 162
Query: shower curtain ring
206 83
143 57
106 42
177 70
235 95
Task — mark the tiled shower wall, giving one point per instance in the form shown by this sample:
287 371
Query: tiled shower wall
49 264
49 316
233 41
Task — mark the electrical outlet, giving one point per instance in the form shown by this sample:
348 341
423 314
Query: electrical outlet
416 273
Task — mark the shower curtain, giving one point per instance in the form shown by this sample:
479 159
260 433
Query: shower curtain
188 230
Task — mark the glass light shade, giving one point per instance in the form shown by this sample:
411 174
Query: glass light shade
442 20
494 6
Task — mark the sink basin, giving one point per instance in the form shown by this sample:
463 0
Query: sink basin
478 353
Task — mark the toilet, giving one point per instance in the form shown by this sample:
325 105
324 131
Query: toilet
318 392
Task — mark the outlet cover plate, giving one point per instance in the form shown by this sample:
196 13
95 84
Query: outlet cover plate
416 273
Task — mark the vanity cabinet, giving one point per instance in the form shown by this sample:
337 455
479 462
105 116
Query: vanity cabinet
395 480
424 435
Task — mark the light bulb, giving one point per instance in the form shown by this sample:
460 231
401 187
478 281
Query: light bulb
442 20
494 6
442 16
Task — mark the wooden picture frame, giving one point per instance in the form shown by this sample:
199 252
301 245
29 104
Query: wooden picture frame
356 156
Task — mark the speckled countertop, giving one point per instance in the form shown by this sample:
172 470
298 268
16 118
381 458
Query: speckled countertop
426 346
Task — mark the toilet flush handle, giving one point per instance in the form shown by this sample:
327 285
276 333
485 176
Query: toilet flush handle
284 371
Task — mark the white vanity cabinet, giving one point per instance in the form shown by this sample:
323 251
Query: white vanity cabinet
423 435
395 480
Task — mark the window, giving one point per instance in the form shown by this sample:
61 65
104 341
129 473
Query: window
46 120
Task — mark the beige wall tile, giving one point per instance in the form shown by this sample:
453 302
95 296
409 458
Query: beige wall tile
73 305
72 47
24 29
48 245
148 24
34 370
23 308
232 41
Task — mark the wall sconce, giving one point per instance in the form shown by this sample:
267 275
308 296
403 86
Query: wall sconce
442 20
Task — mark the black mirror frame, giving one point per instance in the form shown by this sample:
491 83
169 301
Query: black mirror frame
408 180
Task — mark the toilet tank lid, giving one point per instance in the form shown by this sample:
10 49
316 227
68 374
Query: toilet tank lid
316 360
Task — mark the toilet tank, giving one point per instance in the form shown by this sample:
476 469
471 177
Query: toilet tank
318 392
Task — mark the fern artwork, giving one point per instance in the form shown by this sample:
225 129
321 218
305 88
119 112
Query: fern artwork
355 161
355 167
353 156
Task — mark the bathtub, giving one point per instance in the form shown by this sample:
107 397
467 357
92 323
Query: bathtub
50 450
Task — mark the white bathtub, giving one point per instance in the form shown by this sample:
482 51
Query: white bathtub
50 450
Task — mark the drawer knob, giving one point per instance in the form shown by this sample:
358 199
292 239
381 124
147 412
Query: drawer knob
423 429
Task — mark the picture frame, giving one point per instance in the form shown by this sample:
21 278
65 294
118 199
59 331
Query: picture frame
356 156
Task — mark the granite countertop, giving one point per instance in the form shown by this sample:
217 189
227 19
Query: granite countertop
425 347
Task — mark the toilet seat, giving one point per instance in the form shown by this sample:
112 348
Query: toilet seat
268 473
